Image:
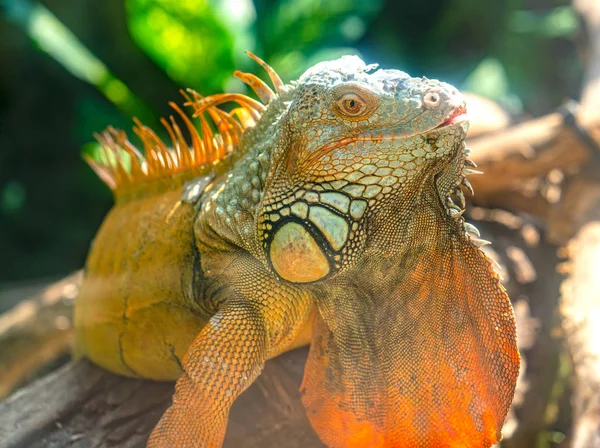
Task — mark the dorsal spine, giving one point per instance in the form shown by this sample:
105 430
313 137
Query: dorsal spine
123 167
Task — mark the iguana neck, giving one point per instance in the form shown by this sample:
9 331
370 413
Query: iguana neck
229 210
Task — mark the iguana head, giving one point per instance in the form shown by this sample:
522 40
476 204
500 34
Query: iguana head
354 144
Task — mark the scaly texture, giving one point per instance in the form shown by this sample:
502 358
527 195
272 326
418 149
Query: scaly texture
339 221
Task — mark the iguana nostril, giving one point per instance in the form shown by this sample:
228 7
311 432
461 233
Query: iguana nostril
432 99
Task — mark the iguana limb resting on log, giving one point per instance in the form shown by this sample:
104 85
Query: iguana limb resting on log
322 214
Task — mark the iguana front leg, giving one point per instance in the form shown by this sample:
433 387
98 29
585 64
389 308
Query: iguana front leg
225 358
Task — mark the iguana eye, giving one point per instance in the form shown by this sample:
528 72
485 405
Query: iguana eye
351 104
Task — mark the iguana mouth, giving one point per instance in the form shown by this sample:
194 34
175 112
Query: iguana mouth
459 115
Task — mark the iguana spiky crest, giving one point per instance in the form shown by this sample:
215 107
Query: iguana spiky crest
123 165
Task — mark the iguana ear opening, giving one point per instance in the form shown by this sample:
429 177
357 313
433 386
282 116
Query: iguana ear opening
425 355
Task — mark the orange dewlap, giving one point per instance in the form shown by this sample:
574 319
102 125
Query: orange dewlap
414 362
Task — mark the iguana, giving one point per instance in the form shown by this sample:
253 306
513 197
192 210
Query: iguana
324 213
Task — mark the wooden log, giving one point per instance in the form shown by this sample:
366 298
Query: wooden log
581 309
527 168
36 332
81 405
485 116
581 292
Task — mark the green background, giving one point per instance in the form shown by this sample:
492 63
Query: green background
69 68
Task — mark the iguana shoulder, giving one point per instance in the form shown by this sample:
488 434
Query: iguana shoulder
143 299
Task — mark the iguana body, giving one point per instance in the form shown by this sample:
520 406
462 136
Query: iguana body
324 216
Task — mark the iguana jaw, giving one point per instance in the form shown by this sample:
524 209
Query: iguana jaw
458 116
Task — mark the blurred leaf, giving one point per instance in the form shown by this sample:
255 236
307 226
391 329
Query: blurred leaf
239 17
56 40
311 20
186 38
353 28
12 198
489 80
559 22
307 26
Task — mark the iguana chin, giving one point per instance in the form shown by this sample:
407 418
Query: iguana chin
322 214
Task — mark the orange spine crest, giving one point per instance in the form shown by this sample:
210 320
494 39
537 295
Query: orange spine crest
122 165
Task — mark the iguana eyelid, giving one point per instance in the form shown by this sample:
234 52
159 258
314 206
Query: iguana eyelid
345 93
351 104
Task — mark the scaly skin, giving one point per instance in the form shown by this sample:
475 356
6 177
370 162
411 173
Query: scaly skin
335 217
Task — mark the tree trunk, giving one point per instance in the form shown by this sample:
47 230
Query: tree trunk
81 405
581 309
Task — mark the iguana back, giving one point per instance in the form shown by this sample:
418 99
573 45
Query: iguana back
137 311
142 300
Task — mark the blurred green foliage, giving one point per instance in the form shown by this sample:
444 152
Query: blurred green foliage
187 38
69 68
